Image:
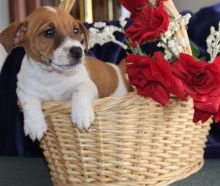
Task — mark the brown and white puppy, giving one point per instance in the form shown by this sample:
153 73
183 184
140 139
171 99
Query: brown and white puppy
55 68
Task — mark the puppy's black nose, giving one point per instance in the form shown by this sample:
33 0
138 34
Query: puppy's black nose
76 52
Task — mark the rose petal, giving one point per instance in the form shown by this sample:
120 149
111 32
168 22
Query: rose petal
217 116
160 95
200 116
132 5
211 105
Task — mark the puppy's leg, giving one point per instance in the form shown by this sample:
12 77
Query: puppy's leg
82 110
34 122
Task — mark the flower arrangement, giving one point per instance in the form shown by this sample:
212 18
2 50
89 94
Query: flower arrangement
172 71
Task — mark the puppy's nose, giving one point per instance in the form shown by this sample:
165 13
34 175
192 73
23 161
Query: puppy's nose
76 52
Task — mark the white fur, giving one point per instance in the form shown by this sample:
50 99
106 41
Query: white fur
82 111
36 84
121 89
61 54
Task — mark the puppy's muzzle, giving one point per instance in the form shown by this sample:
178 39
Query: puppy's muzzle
76 52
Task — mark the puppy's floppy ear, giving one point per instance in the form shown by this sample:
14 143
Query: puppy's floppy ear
13 35
85 35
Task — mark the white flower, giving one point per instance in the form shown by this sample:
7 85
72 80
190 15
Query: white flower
93 30
159 44
168 55
122 22
186 19
99 24
168 34
213 42
170 42
104 35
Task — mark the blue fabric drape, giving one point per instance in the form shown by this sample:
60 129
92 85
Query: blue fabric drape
12 140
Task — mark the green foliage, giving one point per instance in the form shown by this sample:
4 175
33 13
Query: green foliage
195 50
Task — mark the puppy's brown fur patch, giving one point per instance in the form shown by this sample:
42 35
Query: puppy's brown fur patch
103 75
122 67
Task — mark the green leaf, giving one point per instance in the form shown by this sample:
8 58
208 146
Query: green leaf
195 50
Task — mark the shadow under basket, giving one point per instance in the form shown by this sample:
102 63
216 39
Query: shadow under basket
133 142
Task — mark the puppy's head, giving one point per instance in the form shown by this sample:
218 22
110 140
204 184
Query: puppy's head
50 36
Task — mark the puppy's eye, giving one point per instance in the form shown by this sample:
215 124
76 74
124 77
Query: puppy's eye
76 30
49 33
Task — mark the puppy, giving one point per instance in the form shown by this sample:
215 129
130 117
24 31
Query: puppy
55 68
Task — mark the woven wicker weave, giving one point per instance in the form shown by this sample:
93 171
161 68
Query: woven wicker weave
133 142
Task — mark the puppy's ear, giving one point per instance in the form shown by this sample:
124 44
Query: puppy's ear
13 36
85 34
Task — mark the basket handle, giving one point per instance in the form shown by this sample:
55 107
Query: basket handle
172 11
67 5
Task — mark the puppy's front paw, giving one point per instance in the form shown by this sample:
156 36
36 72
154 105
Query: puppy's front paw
35 128
83 117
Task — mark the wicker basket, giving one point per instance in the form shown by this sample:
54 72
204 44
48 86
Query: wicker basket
133 141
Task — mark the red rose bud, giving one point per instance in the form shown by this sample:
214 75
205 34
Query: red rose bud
153 77
148 24
134 5
202 82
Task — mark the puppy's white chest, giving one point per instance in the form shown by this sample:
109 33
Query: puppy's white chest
47 85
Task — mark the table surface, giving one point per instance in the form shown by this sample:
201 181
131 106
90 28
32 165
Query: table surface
34 172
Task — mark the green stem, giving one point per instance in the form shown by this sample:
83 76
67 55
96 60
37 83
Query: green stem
175 56
133 50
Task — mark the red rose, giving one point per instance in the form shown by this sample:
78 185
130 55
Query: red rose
134 5
160 1
202 82
148 24
153 77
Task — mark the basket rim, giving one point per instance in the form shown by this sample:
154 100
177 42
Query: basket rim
111 103
96 102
